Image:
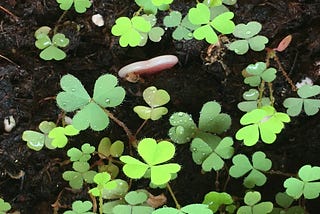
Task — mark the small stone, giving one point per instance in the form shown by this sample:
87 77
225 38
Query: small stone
97 19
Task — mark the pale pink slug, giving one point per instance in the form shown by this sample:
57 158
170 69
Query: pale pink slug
132 71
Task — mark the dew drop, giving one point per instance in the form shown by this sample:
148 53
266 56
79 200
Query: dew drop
248 32
73 89
194 149
107 101
180 114
64 104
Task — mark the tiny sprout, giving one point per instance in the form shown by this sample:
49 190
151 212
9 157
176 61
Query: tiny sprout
155 99
285 42
9 123
251 200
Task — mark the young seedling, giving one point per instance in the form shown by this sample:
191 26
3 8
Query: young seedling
201 15
153 154
218 200
310 106
136 203
307 183
149 7
82 155
252 199
210 153
4 206
36 140
285 201
130 30
257 72
183 27
80 207
80 174
252 100
242 165
80 6
108 150
50 47
265 122
91 111
189 209
155 98
248 38
58 135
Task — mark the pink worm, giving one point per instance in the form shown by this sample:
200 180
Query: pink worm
150 66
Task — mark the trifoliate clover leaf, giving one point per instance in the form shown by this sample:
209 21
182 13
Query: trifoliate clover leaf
81 155
155 99
189 209
153 154
183 27
136 204
248 33
183 128
211 120
305 184
310 106
79 207
200 15
79 5
217 199
4 206
285 201
253 207
50 49
129 30
257 72
36 140
252 102
81 174
210 153
59 134
103 182
265 122
91 110
242 165
149 7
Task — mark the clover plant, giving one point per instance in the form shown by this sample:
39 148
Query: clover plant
252 101
306 184
218 200
4 206
80 207
50 47
154 154
265 122
91 111
155 99
310 106
183 127
201 15
149 7
58 135
130 30
80 6
258 72
135 204
103 182
183 27
81 173
188 209
285 201
83 155
248 38
36 140
241 166
155 34
210 153
252 199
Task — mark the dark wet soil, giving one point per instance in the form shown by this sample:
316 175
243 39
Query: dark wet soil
26 81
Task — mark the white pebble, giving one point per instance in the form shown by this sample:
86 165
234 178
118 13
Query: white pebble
97 19
9 123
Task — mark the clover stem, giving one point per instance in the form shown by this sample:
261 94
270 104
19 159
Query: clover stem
137 13
100 203
141 126
261 90
173 197
59 20
271 93
285 74
227 180
217 182
276 172
131 137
